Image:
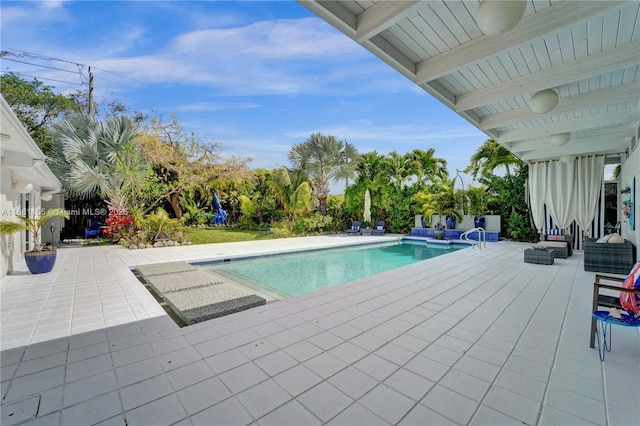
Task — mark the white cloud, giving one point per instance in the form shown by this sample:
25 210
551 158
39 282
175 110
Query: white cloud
216 106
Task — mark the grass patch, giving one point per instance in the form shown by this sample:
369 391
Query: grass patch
209 235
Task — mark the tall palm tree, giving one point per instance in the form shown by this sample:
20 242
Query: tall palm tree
349 158
426 166
398 169
85 153
320 158
291 190
490 156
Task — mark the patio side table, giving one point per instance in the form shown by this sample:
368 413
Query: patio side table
605 320
540 257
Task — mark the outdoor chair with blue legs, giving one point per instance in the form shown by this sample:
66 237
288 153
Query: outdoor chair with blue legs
379 228
624 308
355 228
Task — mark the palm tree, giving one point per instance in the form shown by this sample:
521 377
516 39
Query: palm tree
349 158
490 156
441 200
426 166
320 158
398 168
291 190
85 153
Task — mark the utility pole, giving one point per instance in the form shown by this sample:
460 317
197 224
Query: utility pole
91 104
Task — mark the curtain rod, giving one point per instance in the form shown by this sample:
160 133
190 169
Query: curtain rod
578 156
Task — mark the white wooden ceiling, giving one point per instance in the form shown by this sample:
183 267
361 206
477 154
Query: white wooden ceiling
587 51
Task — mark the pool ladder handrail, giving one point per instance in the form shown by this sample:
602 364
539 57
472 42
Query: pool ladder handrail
482 237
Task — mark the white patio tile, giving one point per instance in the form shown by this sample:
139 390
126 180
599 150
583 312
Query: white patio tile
376 367
553 416
353 382
513 405
92 411
297 380
226 360
421 415
465 384
387 403
593 389
486 416
138 371
427 368
324 401
275 363
450 404
348 352
289 413
263 398
325 365
90 387
146 391
409 384
203 394
575 404
228 412
395 353
303 350
522 385
162 411
189 374
357 415
243 377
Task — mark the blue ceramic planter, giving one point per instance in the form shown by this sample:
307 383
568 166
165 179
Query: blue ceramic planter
40 262
478 221
451 222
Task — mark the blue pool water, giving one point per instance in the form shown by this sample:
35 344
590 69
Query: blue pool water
301 273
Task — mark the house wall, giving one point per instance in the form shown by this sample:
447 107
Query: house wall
631 169
8 208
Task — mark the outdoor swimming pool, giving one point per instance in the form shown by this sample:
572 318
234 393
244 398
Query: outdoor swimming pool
300 273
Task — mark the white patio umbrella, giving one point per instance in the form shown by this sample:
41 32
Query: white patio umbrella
367 206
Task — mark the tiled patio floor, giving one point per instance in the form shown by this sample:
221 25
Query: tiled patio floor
471 337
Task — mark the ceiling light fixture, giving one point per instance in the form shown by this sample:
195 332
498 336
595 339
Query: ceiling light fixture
560 139
544 101
47 196
497 16
23 187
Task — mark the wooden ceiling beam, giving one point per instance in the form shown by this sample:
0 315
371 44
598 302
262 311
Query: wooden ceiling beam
381 16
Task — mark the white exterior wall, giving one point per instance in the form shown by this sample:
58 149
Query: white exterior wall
22 160
630 169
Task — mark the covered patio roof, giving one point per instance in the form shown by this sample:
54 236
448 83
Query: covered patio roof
586 52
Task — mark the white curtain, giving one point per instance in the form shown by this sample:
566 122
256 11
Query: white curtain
560 198
589 175
538 192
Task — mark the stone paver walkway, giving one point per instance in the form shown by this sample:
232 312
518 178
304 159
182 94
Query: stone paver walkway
471 337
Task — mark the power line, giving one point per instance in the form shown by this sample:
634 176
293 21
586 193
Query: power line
43 66
42 78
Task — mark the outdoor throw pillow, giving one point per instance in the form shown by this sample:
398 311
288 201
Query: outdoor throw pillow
616 239
379 228
629 301
604 239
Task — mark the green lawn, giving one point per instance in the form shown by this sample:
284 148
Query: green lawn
222 235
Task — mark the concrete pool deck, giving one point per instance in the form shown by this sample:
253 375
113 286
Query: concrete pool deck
470 337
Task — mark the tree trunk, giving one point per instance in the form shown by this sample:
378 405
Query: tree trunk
173 201
322 204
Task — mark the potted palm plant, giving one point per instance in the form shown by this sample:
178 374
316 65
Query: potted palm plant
441 201
40 259
477 196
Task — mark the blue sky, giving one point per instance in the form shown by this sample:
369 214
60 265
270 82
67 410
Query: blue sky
256 77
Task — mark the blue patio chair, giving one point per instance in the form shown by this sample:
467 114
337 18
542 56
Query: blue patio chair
355 228
93 230
379 228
